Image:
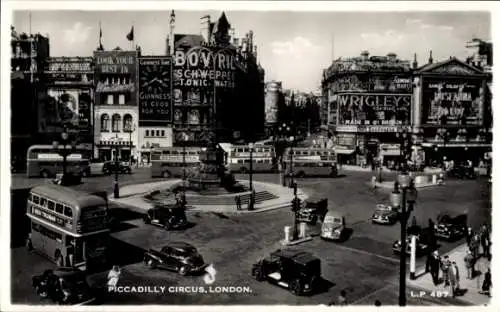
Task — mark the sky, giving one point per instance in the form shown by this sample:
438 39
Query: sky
293 47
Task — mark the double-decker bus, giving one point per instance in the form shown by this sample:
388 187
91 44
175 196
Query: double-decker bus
44 161
307 161
168 162
263 158
68 226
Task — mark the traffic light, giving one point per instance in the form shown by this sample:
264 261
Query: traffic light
296 204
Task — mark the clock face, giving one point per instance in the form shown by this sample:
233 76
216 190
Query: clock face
154 79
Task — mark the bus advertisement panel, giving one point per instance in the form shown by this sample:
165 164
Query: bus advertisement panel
44 161
301 162
68 226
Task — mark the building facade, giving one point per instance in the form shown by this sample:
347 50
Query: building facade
28 56
368 102
218 85
116 104
452 116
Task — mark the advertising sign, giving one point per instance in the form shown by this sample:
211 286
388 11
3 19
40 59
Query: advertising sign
69 71
155 90
454 102
115 71
364 83
69 108
347 140
374 109
204 66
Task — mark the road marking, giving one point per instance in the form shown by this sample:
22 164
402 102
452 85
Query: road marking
368 253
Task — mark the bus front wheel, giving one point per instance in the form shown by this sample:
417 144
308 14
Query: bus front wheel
166 174
243 170
44 174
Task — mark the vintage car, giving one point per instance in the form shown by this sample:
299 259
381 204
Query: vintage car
180 257
169 215
385 214
295 270
450 228
314 209
422 235
67 286
333 227
68 179
111 167
462 172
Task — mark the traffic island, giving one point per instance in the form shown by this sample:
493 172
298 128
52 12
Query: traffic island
302 237
421 180
268 196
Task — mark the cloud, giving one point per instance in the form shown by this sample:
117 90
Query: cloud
297 47
446 27
389 35
426 26
411 21
77 34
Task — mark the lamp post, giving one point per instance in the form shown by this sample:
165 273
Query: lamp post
185 138
409 195
443 135
250 146
116 187
64 152
295 209
130 130
402 135
291 139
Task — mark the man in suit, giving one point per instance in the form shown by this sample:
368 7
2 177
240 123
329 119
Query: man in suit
434 263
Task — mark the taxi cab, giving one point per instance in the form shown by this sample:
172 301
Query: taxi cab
333 227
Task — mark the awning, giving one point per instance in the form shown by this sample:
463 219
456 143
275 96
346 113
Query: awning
455 144
344 151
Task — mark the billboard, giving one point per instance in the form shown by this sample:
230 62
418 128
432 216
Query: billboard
273 90
205 66
453 101
374 109
115 73
155 90
69 71
61 108
373 83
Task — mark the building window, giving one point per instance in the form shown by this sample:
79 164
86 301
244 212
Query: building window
163 133
127 123
157 133
147 133
116 123
105 123
109 99
121 99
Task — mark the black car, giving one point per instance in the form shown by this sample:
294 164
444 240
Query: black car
111 167
462 172
314 209
423 240
68 179
450 228
296 270
66 286
168 216
180 257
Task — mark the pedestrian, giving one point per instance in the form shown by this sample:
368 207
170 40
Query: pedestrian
469 264
183 199
432 236
342 299
237 198
485 241
114 276
374 182
455 277
378 303
474 246
469 235
445 267
485 289
434 264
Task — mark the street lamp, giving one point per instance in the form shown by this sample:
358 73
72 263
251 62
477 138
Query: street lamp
250 146
296 202
116 187
409 196
64 152
291 139
185 138
443 135
130 129
402 135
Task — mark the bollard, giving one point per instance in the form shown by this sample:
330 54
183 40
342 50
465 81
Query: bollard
287 233
434 179
413 257
302 231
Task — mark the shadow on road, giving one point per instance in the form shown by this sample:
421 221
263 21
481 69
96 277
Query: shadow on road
324 286
122 253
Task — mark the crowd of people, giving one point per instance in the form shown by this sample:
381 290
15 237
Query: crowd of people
476 241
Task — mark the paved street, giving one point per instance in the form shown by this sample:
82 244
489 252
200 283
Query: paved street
364 265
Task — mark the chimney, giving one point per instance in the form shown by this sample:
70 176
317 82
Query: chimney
364 55
415 63
206 32
250 41
255 51
431 60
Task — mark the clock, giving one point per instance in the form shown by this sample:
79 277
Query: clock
154 79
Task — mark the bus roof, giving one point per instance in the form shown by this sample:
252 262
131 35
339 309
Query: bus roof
68 196
47 146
